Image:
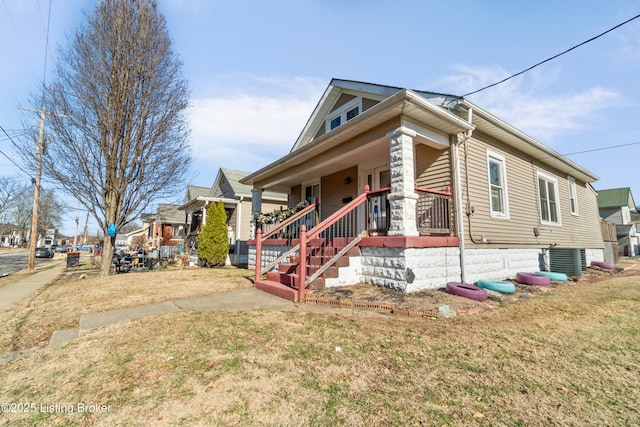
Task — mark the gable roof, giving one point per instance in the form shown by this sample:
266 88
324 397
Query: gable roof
193 192
232 178
615 198
167 214
448 114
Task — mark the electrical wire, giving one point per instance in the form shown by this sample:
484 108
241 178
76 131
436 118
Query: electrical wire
19 39
10 159
597 149
553 57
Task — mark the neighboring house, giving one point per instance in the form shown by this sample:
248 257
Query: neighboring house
236 198
165 227
617 207
128 241
455 194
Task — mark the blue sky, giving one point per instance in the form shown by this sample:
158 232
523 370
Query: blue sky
257 70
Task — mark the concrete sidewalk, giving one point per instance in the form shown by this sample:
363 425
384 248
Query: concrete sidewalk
16 292
243 299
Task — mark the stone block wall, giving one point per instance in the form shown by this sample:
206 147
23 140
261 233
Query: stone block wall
269 254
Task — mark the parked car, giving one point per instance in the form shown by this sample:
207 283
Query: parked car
43 253
63 248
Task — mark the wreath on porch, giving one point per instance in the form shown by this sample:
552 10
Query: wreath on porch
278 216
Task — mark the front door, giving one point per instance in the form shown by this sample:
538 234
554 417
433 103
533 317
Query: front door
377 177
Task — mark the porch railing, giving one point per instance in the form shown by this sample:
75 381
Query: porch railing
434 215
289 228
318 248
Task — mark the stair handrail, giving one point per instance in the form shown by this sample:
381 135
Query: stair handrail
335 258
315 232
340 213
289 220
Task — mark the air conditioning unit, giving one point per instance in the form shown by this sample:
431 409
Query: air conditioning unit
570 261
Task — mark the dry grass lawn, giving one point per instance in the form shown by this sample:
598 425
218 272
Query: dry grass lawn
566 357
60 305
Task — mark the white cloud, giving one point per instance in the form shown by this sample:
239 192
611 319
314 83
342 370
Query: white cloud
532 102
251 118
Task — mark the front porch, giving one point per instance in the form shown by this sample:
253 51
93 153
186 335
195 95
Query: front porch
357 245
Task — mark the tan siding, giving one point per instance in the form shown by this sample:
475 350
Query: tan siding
295 195
368 103
333 190
433 167
245 221
522 191
344 98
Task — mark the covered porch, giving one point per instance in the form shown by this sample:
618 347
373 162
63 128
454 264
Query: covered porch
381 181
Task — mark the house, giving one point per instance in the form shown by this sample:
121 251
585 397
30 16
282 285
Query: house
415 189
236 198
616 206
165 229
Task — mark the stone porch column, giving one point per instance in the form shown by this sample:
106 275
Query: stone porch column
402 199
256 206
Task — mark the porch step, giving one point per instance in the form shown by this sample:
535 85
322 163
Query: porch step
284 282
277 289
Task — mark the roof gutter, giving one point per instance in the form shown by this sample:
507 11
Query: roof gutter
485 115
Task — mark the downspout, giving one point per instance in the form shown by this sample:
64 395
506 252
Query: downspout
459 215
238 220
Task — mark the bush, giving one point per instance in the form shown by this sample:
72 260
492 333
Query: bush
213 241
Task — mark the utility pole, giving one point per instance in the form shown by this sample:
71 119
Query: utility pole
36 189
86 230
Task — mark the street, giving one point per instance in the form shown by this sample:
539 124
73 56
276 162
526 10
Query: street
15 260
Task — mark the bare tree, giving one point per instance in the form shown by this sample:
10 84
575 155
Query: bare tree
124 140
21 212
9 190
50 211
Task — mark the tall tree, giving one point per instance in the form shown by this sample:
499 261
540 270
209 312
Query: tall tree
123 140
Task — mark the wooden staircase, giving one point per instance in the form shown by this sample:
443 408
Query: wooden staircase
285 281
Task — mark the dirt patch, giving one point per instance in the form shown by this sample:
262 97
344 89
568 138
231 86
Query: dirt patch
437 302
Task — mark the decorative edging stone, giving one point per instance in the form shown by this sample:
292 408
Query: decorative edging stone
367 305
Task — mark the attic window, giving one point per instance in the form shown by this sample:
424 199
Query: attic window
343 114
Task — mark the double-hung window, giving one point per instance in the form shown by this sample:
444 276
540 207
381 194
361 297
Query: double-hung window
497 185
549 204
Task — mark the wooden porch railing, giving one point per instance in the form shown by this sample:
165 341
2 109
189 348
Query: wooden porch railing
319 247
434 215
290 228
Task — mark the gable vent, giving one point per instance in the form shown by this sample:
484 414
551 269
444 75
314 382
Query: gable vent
570 261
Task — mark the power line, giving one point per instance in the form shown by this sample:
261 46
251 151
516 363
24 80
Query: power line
10 159
553 57
19 39
602 148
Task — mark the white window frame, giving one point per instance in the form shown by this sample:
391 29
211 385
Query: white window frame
573 195
342 113
311 184
492 156
549 179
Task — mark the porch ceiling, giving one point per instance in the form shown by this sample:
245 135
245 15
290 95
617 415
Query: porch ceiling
341 148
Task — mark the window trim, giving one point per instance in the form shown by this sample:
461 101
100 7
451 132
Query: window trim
548 178
312 184
573 195
342 113
499 159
